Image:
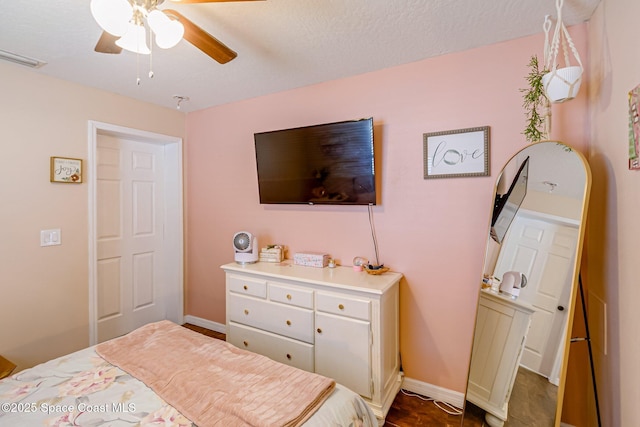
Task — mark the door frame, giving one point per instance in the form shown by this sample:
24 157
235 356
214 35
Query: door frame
174 218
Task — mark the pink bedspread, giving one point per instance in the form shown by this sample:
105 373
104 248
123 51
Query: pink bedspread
214 383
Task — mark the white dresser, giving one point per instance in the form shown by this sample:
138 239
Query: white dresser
501 330
337 322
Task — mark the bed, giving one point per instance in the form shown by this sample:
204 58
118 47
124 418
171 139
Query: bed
165 375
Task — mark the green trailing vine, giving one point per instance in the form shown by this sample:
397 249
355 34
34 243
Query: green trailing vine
535 103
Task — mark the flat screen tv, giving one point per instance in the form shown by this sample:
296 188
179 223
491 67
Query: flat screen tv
330 164
507 205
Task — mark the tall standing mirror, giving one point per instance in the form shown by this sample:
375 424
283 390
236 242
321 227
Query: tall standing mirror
528 290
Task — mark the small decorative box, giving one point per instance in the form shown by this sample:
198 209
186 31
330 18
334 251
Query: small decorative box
272 253
311 259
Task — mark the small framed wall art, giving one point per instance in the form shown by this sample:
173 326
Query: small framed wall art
456 153
67 170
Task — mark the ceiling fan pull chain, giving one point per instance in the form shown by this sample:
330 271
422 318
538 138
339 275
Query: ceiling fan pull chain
138 69
150 54
151 66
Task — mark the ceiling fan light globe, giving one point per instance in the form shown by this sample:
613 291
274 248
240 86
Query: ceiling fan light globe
157 19
134 40
113 16
169 34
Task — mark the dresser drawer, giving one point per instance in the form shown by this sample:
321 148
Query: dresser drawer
290 295
342 305
275 347
292 322
247 285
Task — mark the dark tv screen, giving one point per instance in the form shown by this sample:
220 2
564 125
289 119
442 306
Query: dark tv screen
507 205
330 163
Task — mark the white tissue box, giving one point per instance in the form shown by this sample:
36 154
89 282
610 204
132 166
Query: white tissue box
311 259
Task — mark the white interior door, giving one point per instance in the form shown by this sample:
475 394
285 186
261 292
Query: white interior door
544 251
137 234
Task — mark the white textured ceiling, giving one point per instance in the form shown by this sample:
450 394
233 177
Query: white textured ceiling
281 44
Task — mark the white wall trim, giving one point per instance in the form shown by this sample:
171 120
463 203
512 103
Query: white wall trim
204 323
435 392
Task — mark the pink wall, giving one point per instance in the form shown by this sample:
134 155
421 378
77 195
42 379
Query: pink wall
613 227
433 231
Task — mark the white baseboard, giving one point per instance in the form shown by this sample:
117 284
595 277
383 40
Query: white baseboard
204 323
435 392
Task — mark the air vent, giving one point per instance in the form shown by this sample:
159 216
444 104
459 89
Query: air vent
22 60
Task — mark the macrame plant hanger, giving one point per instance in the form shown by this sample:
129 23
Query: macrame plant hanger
560 84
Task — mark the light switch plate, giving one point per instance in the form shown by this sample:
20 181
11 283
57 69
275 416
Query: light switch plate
50 237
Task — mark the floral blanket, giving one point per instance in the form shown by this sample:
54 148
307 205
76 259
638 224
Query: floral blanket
82 389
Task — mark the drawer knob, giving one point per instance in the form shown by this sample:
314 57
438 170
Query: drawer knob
319 330
288 356
288 322
341 307
289 296
246 311
246 344
245 287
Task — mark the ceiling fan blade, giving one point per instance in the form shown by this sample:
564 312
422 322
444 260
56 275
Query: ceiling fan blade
203 40
208 1
107 44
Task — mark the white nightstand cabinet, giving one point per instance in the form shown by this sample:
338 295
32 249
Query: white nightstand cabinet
501 330
337 322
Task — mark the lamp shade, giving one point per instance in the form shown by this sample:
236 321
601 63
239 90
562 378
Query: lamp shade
112 15
168 31
134 40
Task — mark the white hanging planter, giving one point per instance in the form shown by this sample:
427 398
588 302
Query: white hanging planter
560 84
563 84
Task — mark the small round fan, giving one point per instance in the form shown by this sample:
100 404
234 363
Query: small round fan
241 241
245 246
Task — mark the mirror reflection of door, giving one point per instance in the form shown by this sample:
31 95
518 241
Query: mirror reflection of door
542 249
518 360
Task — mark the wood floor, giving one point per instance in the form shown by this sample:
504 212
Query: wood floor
205 331
410 410
533 402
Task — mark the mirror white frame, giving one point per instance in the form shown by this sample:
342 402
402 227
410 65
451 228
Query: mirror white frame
526 333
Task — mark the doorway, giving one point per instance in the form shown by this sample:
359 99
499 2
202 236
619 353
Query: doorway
135 229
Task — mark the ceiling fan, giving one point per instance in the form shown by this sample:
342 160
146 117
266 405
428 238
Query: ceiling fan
124 23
